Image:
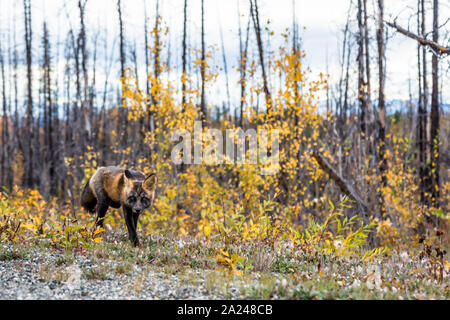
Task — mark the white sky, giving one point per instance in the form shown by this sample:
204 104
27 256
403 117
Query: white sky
324 21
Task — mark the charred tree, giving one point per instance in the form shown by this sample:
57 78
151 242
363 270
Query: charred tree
49 154
29 132
381 159
368 86
434 125
4 158
243 48
361 71
85 109
122 122
424 150
225 68
203 70
183 58
255 18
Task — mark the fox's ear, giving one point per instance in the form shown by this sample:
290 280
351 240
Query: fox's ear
149 183
128 174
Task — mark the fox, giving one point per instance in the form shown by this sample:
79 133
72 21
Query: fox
117 187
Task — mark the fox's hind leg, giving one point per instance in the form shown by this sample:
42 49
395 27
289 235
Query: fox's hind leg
88 199
95 205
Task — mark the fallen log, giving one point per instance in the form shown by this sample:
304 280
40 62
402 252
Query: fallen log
345 187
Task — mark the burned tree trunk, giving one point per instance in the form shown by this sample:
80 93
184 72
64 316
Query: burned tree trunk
122 122
183 59
381 106
361 72
225 69
434 130
255 18
203 70
157 51
243 48
49 154
148 118
4 158
84 119
368 87
423 145
29 179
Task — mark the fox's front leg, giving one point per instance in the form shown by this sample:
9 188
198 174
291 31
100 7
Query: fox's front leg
102 207
131 226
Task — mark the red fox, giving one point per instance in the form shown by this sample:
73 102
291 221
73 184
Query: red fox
116 187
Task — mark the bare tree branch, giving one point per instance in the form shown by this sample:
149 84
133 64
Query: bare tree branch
437 48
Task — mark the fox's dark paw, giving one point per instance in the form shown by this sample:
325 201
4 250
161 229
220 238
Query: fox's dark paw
135 243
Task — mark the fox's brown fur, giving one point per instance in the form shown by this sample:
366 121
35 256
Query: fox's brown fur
116 187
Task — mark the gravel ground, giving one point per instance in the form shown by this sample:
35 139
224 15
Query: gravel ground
34 278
